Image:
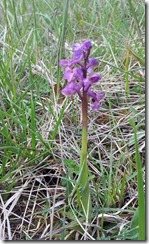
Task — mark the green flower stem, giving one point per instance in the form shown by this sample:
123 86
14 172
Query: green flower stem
84 191
84 128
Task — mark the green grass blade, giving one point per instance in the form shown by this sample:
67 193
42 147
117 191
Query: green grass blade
141 195
54 133
61 52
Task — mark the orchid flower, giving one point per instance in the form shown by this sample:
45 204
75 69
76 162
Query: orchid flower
80 76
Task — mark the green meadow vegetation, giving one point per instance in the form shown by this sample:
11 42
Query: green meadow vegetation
40 129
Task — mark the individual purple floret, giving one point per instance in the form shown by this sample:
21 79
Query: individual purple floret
79 73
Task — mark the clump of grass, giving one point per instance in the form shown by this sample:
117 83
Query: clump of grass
40 132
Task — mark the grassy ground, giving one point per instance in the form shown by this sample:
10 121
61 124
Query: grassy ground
40 135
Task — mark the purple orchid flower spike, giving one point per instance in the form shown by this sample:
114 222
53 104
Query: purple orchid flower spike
80 76
79 73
